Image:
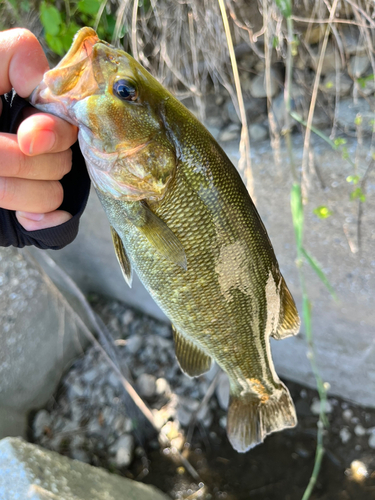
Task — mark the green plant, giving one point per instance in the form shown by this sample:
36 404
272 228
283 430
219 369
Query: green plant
60 26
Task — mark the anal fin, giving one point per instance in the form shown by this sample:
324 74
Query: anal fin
122 258
192 360
289 321
251 419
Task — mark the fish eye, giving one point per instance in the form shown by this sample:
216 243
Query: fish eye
125 90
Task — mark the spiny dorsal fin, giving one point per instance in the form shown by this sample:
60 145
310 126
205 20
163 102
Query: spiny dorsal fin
158 234
192 360
289 321
122 258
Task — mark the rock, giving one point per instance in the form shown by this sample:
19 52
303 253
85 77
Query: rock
230 133
331 61
358 65
38 340
316 406
41 423
28 471
254 108
352 40
133 343
366 86
258 132
146 384
348 111
371 441
222 390
332 84
258 84
359 430
162 386
345 435
124 450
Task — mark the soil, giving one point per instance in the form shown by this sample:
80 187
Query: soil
280 468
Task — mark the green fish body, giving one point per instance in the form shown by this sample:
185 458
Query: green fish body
182 219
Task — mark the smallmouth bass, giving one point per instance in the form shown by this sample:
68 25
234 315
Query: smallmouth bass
181 218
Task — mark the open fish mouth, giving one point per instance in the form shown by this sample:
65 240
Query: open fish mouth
73 79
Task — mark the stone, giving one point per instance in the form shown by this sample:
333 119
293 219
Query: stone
371 441
348 110
345 435
41 422
316 406
358 65
28 471
133 343
333 83
352 40
124 450
146 385
38 340
230 133
258 84
258 132
254 108
331 61
359 430
222 390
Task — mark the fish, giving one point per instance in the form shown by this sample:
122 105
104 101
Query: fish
182 219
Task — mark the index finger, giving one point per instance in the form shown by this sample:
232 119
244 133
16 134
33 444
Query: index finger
22 62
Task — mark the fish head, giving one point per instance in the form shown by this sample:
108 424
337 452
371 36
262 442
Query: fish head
118 107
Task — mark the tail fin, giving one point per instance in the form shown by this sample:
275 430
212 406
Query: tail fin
250 420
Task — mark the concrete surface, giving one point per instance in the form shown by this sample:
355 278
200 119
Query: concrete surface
28 471
344 331
38 341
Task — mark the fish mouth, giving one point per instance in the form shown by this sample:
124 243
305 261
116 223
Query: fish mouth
72 79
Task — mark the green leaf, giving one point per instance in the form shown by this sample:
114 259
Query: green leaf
297 213
339 141
354 179
316 267
285 7
55 43
358 120
50 18
89 7
322 212
68 34
358 193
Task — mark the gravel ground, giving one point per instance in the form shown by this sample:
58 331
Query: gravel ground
88 420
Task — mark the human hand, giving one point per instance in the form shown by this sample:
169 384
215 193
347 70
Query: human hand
33 161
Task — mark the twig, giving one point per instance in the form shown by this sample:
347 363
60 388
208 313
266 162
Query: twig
245 159
203 404
306 144
134 30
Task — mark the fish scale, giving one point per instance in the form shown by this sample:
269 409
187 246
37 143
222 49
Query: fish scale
182 219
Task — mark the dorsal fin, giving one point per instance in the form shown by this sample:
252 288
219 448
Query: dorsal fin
122 258
192 360
289 321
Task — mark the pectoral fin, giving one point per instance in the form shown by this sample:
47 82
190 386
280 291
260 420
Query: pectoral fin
122 258
289 322
192 360
158 234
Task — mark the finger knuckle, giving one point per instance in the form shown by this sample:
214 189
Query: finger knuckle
56 195
65 163
6 192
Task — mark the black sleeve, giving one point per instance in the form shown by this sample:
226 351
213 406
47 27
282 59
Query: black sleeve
76 185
